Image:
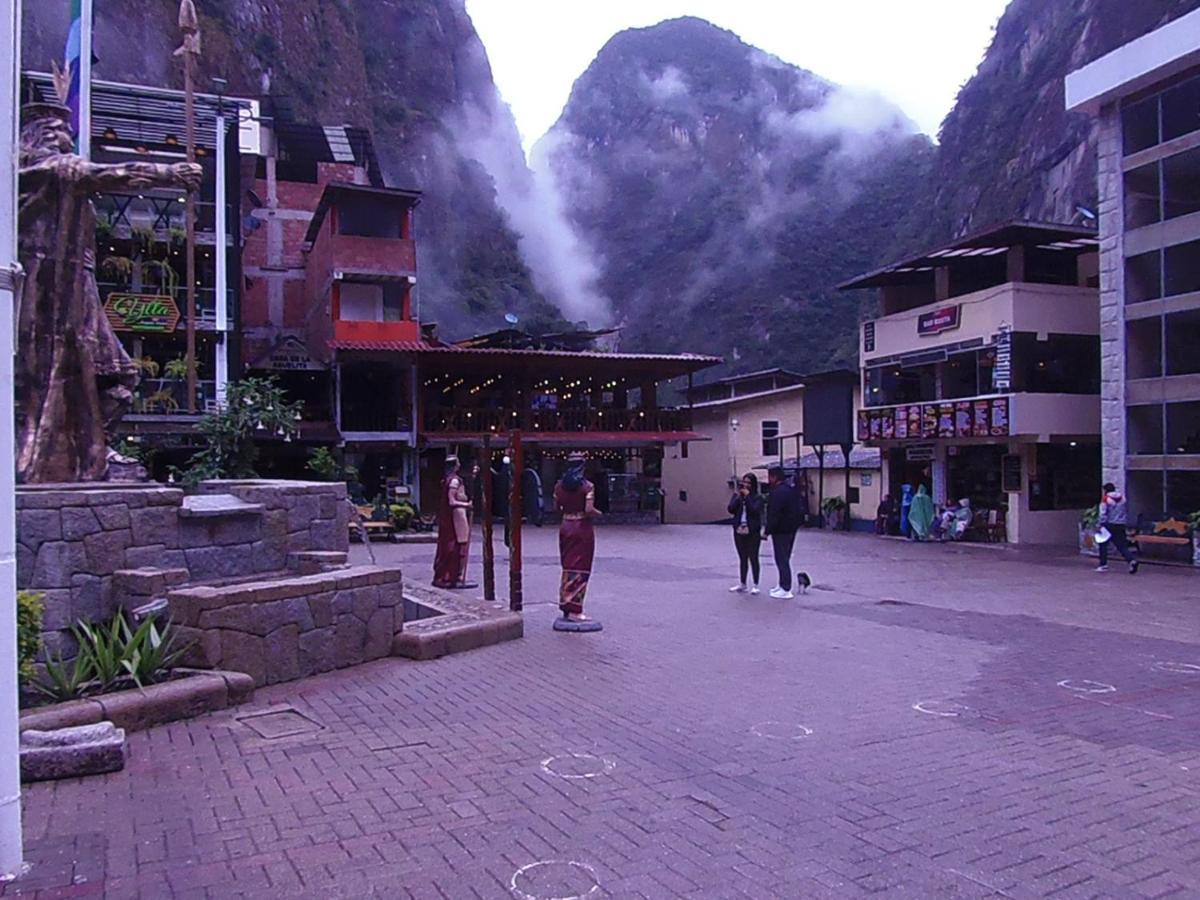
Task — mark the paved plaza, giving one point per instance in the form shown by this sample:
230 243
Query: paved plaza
928 722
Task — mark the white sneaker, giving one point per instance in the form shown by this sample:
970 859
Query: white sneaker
781 594
754 590
738 589
1101 568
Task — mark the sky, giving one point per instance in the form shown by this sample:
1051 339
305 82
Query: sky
917 53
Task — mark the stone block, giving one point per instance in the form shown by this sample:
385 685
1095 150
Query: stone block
241 652
106 551
36 498
270 556
365 603
297 612
57 562
317 651
252 618
329 506
62 715
301 540
72 752
113 516
87 598
57 644
37 526
283 654
157 704
303 511
321 607
207 563
237 530
26 560
350 639
343 602
162 496
239 685
57 610
380 633
201 647
324 534
78 522
155 525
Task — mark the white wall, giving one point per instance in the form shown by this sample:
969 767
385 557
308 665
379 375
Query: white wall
359 302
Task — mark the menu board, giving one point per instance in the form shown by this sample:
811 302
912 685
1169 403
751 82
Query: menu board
918 421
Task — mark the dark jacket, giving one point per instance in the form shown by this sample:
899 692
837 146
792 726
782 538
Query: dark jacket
784 512
754 511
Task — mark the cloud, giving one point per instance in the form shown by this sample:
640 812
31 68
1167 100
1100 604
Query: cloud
667 86
854 117
564 267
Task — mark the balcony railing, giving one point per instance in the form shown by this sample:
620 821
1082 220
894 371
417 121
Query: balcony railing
155 397
481 421
124 215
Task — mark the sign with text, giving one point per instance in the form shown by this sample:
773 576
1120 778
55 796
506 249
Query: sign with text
141 312
1002 369
291 355
922 421
868 337
946 319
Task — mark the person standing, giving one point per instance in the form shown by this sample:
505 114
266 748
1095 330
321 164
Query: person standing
746 507
783 519
921 515
1114 516
575 498
454 531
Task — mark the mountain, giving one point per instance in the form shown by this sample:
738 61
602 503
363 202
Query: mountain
413 70
1009 149
724 194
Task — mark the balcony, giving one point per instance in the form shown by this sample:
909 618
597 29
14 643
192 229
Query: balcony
126 216
155 397
460 420
975 319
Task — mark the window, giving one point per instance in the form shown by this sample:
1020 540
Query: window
1139 122
393 302
1143 348
1183 339
770 437
367 216
1163 117
1143 277
1181 269
1181 110
1142 197
360 302
1064 477
1063 364
1144 434
1183 427
1181 184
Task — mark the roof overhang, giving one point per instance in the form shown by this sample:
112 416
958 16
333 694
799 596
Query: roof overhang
335 189
576 439
1132 67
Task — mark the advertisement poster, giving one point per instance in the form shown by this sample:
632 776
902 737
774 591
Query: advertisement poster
982 426
929 420
1000 417
914 422
864 425
962 419
945 420
902 423
876 425
888 425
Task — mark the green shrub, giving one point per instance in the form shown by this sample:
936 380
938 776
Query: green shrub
29 631
1090 518
402 514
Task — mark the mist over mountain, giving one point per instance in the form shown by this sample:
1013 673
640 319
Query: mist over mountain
723 193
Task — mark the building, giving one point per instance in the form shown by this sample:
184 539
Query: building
749 423
1145 96
141 265
981 377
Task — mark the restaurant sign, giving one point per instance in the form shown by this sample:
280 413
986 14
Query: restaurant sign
922 421
291 355
946 319
141 312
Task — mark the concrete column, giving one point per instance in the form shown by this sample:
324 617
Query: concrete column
11 852
1112 298
940 473
221 349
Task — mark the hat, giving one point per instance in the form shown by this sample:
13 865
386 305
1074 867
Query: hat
452 458
576 456
36 112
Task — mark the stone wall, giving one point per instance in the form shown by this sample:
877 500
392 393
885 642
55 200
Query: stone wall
73 540
1112 298
294 627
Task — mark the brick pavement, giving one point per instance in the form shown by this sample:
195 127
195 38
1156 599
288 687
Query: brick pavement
755 748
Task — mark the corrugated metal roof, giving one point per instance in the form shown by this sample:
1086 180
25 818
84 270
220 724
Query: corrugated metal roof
428 348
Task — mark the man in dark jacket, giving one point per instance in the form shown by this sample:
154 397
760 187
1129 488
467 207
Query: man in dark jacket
784 516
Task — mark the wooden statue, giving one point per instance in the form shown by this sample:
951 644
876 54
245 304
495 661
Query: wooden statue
74 381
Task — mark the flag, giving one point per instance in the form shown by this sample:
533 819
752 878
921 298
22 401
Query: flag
78 95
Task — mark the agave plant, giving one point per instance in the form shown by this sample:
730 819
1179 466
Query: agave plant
149 652
104 647
64 680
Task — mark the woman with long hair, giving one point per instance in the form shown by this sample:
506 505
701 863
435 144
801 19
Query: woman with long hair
746 507
454 531
575 498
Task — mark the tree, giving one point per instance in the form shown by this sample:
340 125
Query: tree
254 409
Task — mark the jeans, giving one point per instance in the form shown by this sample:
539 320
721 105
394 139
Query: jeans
747 549
783 543
1118 540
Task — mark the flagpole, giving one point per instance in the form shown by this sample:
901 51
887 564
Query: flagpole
85 78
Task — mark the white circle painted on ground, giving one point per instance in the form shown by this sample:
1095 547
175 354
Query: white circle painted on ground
577 765
946 708
781 731
554 879
1177 668
1086 686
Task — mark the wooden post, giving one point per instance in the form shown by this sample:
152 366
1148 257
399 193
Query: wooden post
515 596
189 50
489 553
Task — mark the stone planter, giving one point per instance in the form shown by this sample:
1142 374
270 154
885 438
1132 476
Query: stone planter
137 709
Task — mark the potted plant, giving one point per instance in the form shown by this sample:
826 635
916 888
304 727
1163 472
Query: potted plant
1193 521
402 514
834 509
1089 524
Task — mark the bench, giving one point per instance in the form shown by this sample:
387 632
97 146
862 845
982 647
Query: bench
1166 538
374 530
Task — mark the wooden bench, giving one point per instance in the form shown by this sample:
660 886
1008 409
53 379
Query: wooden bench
1167 539
374 530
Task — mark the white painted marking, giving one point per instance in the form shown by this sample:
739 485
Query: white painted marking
780 731
1177 668
602 765
570 863
1086 686
946 708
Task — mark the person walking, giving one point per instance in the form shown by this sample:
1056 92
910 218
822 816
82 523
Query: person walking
746 507
1114 516
783 519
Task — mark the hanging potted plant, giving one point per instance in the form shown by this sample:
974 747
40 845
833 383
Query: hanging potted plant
1089 524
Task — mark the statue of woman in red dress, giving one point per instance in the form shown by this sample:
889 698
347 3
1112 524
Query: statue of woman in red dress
575 497
454 531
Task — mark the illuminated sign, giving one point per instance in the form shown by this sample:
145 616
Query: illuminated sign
946 319
922 421
141 312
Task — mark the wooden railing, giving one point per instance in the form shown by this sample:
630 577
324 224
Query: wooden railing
463 420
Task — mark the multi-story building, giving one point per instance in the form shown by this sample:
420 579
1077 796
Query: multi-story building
141 265
981 377
1145 97
749 423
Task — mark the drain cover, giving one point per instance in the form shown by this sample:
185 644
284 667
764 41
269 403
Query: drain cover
279 723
